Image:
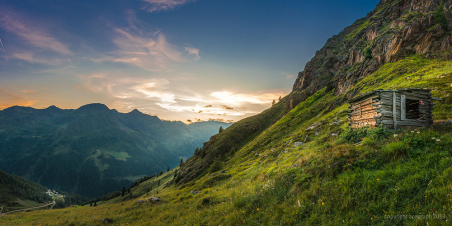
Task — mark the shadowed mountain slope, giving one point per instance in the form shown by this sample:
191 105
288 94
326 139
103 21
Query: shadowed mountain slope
93 150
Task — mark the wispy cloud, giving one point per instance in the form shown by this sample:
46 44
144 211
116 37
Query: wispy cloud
239 98
146 48
288 76
8 99
161 5
147 93
30 57
57 69
34 35
194 52
4 51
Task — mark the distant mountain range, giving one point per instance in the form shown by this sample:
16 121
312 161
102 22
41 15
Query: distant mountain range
93 149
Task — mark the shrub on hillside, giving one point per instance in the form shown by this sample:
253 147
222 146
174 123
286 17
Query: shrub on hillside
217 165
368 54
351 135
365 134
440 17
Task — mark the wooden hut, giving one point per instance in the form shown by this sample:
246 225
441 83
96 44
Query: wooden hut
392 108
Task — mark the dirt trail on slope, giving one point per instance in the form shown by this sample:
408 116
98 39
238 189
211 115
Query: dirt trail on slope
29 208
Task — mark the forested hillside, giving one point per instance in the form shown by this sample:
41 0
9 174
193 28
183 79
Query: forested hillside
100 148
19 193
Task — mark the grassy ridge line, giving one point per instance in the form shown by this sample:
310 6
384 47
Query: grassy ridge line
388 175
223 145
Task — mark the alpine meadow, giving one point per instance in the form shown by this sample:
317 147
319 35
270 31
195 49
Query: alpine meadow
198 122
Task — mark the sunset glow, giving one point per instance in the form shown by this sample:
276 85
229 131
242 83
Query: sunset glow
170 58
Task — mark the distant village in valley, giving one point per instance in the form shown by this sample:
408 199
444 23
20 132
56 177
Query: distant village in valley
54 194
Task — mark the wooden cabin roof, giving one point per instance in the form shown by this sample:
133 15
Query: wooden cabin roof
362 96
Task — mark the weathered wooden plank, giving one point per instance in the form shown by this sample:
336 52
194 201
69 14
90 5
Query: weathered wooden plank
389 102
416 96
362 120
394 111
357 118
358 113
408 122
403 107
386 94
367 99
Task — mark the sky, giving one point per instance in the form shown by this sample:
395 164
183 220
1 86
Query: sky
186 60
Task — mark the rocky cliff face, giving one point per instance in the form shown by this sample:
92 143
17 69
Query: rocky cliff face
392 31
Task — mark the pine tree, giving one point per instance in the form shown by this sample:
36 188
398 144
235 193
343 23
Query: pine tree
181 162
91 204
161 172
368 54
440 17
221 129
130 195
280 98
274 102
168 169
154 175
95 204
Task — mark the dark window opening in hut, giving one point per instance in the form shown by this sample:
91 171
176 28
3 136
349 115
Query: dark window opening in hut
412 109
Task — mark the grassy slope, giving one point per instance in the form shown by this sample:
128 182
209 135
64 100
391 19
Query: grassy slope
223 145
408 174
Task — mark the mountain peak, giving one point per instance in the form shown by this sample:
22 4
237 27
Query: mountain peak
53 107
93 108
135 111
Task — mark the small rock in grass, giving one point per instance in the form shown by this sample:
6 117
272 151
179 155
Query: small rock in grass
106 220
154 199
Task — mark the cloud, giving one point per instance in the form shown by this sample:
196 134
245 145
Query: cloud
30 57
9 99
34 35
238 99
162 5
95 83
165 96
142 46
56 70
288 76
193 51
28 91
227 107
149 89
220 120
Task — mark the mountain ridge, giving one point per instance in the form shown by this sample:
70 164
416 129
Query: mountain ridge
393 30
96 144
